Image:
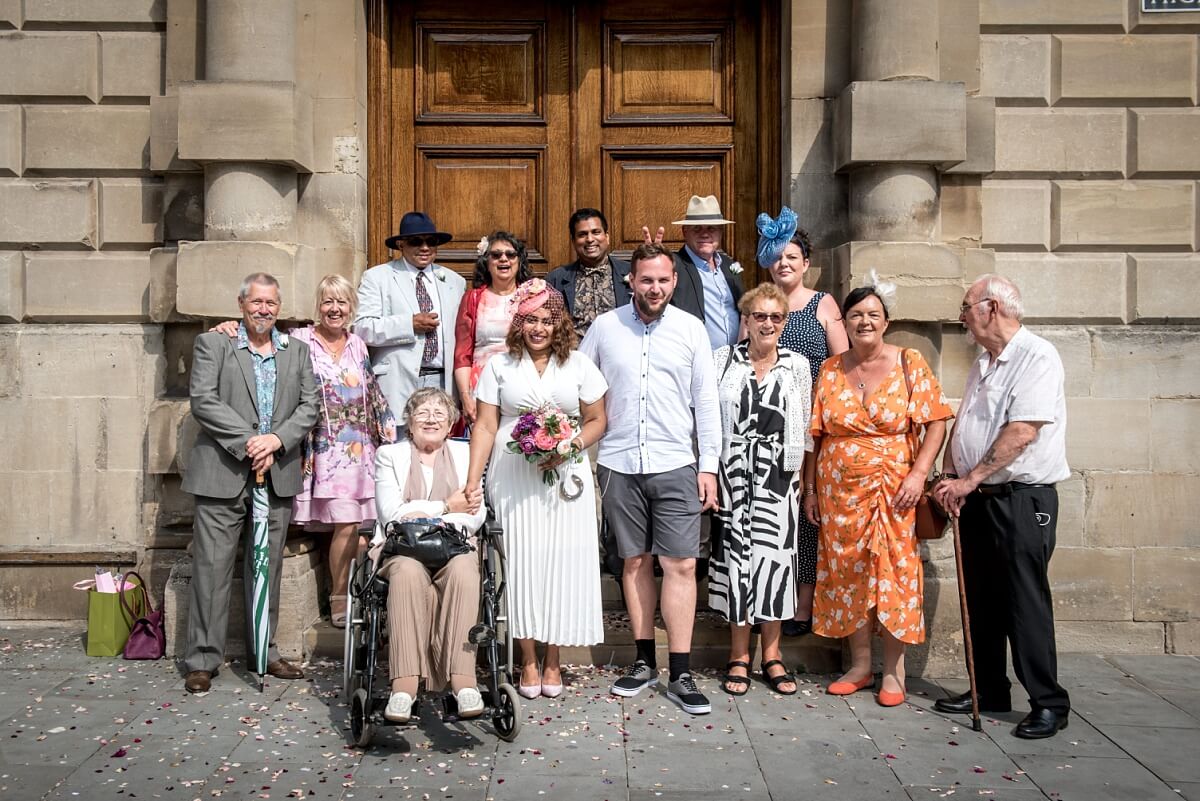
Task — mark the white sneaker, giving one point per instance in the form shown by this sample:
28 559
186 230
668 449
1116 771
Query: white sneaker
399 708
470 702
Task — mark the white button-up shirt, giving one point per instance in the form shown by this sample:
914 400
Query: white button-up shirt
1023 384
662 391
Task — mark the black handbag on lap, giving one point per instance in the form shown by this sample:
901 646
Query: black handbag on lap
431 542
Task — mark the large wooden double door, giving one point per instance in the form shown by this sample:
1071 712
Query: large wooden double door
511 115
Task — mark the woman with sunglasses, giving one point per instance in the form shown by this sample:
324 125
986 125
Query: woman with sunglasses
486 312
814 330
765 393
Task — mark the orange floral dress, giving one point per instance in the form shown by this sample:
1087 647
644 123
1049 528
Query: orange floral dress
868 552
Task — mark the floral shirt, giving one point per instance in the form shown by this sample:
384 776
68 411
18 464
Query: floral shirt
594 295
265 372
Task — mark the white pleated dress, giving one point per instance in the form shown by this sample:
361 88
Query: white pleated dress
553 588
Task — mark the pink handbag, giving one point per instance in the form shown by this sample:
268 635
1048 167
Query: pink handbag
148 636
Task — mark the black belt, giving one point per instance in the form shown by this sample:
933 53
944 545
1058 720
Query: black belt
432 371
1009 487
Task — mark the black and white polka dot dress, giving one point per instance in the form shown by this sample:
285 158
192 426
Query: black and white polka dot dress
805 335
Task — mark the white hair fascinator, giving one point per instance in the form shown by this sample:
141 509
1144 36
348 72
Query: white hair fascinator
481 246
886 290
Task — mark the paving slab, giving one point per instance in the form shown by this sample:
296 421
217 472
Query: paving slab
1189 791
1186 700
1171 754
31 781
1094 779
1160 671
1127 702
1080 738
527 786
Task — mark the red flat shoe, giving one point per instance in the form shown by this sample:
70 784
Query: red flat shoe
850 687
890 699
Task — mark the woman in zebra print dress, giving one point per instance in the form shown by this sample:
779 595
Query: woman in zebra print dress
765 396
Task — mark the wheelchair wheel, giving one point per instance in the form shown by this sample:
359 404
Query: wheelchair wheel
361 727
354 637
507 714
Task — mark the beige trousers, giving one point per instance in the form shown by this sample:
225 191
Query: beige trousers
429 618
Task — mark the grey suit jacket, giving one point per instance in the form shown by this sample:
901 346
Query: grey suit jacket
387 301
224 404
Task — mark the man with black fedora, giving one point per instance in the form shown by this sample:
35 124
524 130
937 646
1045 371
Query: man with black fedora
406 313
710 283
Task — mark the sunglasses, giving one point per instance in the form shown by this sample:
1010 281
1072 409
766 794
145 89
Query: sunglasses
503 254
418 241
762 317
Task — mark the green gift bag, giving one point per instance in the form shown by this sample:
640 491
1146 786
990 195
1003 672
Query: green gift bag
108 623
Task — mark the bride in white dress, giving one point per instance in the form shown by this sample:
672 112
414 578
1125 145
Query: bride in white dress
553 571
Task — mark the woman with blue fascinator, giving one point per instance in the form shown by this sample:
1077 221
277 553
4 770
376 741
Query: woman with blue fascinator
814 329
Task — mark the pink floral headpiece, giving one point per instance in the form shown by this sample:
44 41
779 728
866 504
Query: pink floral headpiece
530 296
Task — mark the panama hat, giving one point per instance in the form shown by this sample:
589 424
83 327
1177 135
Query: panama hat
417 223
703 211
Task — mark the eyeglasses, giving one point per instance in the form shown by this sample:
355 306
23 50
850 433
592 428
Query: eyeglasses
418 241
966 307
503 254
762 317
430 416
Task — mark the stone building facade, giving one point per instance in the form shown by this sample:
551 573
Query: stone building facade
152 152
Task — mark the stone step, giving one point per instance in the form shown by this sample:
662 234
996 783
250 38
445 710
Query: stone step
710 645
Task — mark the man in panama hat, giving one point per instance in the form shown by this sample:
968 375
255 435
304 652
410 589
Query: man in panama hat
406 313
708 288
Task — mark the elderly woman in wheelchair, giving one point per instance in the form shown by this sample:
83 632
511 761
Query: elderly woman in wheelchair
429 615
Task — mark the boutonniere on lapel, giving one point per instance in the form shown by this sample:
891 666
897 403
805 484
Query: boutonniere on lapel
626 280
283 340
439 274
736 268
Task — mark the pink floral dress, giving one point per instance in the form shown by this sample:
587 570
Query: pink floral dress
339 453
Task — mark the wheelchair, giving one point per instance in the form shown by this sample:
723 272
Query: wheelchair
366 629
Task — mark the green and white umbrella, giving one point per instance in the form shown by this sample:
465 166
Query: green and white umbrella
259 623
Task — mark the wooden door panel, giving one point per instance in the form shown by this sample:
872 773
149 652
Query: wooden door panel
647 185
471 191
668 73
480 72
498 114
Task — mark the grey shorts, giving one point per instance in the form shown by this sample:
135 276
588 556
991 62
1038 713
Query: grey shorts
656 513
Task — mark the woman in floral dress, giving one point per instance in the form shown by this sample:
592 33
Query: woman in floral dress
339 453
869 474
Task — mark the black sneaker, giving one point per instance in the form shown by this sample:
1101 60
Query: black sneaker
638 677
684 692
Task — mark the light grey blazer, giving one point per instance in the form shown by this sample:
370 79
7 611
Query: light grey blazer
225 406
387 301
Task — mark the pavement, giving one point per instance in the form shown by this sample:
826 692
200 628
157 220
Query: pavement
75 727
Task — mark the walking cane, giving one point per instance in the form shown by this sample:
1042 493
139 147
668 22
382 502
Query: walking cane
976 724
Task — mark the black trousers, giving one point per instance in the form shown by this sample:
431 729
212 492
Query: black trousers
1007 541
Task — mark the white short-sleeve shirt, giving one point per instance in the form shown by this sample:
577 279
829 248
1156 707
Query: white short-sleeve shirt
1023 384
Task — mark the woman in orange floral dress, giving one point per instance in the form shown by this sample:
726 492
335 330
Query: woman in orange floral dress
862 491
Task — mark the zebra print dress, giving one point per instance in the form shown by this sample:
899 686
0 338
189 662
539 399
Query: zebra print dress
752 572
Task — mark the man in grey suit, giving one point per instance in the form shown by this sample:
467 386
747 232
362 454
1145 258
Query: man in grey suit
255 398
407 309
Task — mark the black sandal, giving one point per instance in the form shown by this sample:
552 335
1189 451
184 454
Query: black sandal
783 678
741 681
796 628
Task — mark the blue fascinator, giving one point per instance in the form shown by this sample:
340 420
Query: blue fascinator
774 235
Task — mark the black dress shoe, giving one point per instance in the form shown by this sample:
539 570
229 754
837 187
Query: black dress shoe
1041 723
198 681
961 704
283 669
796 628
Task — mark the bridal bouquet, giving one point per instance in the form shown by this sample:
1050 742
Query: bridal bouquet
545 432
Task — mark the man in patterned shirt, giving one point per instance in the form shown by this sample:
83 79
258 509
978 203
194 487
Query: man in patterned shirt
596 282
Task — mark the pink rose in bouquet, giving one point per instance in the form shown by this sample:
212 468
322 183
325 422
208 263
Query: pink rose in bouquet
542 433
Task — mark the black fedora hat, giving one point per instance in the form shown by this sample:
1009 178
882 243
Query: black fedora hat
417 223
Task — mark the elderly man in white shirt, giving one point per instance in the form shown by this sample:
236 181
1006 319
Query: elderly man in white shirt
662 398
1007 451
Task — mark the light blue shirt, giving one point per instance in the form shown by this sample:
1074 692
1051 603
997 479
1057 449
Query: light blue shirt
721 318
657 374
265 376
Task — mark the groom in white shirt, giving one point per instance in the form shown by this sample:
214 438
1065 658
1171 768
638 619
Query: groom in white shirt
662 399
